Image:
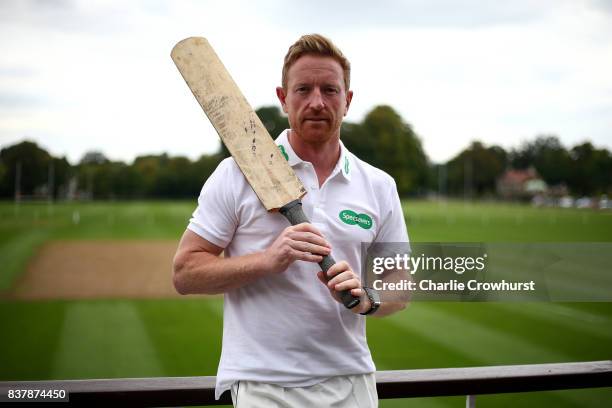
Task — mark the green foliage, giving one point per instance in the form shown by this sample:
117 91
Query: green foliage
148 177
585 169
272 118
4 179
546 154
475 170
62 172
591 170
385 141
35 164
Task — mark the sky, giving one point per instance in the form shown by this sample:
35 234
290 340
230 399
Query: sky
78 76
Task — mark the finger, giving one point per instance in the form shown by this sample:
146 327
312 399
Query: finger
308 237
306 227
357 292
347 285
308 247
305 256
338 268
344 276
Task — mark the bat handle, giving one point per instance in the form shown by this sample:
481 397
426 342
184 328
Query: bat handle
295 214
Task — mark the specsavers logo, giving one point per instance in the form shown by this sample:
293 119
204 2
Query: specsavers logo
351 218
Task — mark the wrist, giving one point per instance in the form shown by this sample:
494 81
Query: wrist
262 265
372 299
364 304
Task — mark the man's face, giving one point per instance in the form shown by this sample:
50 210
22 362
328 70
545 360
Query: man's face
315 99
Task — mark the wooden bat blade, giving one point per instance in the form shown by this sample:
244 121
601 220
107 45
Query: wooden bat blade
248 141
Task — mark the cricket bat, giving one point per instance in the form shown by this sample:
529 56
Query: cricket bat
260 160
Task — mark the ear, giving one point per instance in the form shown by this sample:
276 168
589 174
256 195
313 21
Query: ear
349 98
280 93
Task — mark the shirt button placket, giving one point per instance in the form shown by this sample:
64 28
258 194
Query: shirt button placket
316 192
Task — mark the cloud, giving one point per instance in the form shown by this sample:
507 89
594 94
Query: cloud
20 100
603 5
68 16
16 72
397 13
79 75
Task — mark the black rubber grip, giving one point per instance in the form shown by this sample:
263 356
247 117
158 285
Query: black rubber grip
295 214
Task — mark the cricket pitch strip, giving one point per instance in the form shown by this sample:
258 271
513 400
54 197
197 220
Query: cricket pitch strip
98 270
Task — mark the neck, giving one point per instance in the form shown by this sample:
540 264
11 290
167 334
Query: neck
323 156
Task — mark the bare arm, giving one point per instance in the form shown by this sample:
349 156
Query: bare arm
198 268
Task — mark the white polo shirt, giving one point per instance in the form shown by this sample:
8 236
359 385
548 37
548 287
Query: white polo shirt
285 328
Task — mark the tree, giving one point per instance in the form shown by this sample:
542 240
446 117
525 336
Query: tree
475 170
148 170
124 180
175 179
4 180
362 145
384 140
584 168
272 118
34 163
62 171
591 170
93 157
202 169
547 156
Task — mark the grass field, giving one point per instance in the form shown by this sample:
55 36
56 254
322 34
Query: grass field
181 337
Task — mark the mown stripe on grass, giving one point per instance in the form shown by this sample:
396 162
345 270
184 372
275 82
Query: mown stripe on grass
28 339
185 332
561 334
486 344
398 346
568 319
104 339
430 340
419 351
436 402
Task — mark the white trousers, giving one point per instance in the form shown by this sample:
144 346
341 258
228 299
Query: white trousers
351 391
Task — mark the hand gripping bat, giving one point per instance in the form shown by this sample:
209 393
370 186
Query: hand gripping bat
263 165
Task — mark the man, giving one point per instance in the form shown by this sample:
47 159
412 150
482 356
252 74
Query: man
287 339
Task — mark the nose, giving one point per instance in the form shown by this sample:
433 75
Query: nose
316 99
